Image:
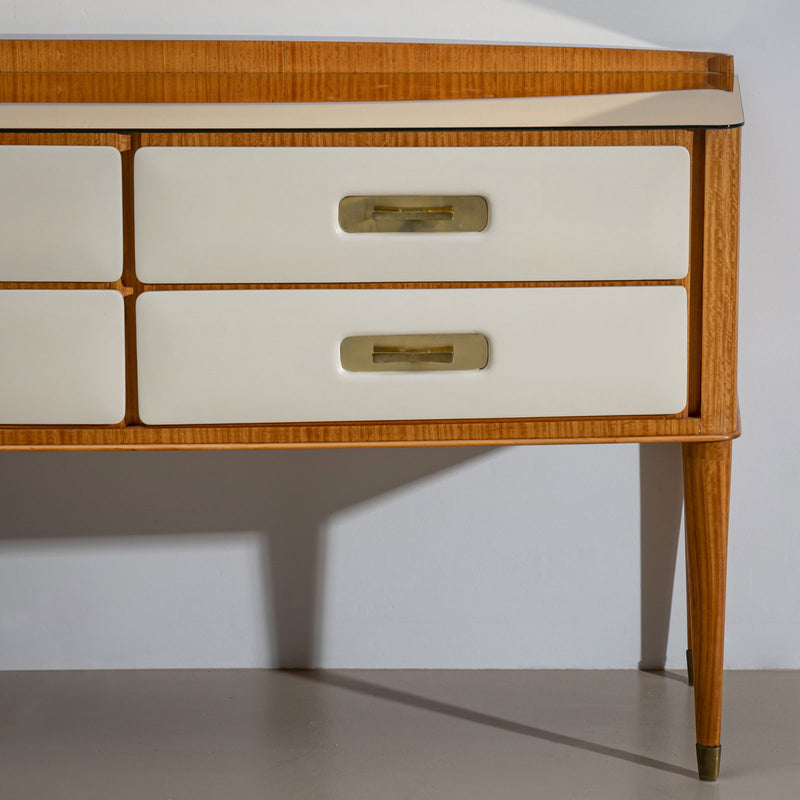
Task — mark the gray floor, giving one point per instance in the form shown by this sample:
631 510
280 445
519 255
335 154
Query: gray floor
241 734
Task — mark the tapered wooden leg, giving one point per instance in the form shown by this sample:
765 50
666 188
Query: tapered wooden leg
706 475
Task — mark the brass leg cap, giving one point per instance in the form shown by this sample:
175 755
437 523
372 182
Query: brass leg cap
690 667
708 762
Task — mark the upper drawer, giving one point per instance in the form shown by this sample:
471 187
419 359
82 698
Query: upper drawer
60 213
252 214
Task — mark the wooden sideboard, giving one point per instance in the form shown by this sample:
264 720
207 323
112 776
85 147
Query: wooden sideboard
287 244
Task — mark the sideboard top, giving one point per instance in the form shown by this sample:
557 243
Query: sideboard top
277 84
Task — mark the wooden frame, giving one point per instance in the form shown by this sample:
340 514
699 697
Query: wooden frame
711 407
94 71
292 72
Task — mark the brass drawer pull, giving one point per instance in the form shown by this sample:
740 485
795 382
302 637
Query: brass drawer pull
426 351
416 214
410 355
413 213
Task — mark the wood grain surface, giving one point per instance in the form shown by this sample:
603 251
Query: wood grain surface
132 435
366 434
707 473
75 70
720 280
273 71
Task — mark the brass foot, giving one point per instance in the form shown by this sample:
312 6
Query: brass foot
708 762
690 667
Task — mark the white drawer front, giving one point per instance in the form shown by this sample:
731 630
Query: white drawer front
62 357
60 213
250 214
254 356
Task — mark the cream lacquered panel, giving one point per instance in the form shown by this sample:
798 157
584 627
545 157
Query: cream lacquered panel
62 357
250 356
249 214
681 108
60 213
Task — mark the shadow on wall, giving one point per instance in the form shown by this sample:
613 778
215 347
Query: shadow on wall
662 22
289 496
661 504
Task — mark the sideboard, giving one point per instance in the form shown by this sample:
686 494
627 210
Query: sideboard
265 244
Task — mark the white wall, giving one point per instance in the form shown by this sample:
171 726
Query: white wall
515 557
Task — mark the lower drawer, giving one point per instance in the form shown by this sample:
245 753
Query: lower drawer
260 356
62 357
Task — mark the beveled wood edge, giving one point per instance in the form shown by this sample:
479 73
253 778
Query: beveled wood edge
199 56
361 444
194 73
351 435
350 87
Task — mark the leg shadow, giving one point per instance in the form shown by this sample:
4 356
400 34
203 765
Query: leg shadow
427 704
286 497
312 486
661 490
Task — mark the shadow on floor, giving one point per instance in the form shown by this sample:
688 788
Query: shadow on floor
467 715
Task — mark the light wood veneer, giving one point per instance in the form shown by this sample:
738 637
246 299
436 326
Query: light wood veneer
189 72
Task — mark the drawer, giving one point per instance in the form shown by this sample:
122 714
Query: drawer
257 356
60 213
261 214
62 357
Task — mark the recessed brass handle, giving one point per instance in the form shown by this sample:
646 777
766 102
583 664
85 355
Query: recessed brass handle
381 354
409 352
413 213
418 214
